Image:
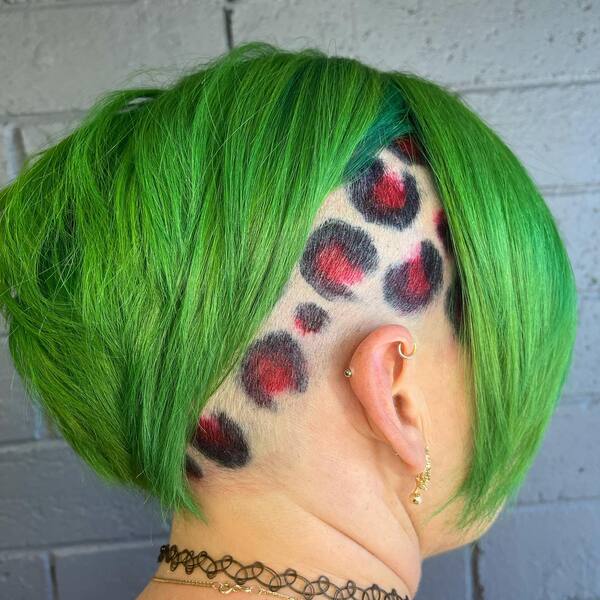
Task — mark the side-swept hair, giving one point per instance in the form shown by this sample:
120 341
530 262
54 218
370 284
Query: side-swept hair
140 255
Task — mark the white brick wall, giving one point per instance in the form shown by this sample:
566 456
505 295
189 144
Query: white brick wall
64 54
531 69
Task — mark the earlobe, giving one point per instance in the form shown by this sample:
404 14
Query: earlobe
385 384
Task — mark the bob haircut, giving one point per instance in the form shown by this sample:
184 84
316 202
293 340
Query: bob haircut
140 254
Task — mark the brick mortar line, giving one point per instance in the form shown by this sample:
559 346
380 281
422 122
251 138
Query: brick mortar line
13 143
53 577
93 545
454 87
53 116
29 6
47 566
570 189
50 443
584 401
228 23
41 118
468 573
14 147
15 152
88 546
477 589
566 403
535 504
584 294
520 85
113 544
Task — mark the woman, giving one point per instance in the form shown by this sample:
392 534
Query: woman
319 311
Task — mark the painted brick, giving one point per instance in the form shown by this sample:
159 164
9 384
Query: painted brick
13 146
578 219
584 376
19 418
119 572
547 552
7 4
64 501
563 152
452 42
3 165
566 466
449 572
25 577
3 182
47 428
40 135
62 59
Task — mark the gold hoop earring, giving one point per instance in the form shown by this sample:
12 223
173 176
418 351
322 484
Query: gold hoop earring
407 355
422 480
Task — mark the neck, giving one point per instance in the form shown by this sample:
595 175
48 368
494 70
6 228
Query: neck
367 538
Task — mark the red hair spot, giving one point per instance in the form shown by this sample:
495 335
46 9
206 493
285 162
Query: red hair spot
417 282
272 366
384 197
335 266
220 438
389 191
274 376
336 257
409 286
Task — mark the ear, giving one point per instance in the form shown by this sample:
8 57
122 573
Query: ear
386 386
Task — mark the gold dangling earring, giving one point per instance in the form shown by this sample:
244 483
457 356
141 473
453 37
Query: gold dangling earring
422 480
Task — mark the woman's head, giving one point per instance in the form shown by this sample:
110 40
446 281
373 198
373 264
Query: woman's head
187 275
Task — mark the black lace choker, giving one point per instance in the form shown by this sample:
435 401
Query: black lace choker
269 578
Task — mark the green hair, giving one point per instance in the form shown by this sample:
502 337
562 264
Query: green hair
140 255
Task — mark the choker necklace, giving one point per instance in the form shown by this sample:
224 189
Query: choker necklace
272 580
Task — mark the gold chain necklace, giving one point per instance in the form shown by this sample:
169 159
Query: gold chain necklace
223 586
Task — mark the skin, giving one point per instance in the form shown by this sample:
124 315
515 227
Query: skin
303 467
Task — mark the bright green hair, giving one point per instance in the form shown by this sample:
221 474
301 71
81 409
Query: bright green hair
140 255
